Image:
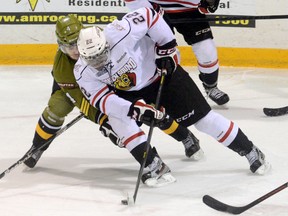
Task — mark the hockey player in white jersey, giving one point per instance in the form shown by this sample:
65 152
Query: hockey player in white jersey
119 72
100 88
198 35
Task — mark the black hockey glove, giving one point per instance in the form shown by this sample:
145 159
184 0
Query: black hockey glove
158 9
208 6
142 112
166 58
107 131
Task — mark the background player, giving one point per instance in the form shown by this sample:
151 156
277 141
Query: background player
197 34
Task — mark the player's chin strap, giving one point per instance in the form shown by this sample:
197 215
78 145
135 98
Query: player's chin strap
34 150
140 173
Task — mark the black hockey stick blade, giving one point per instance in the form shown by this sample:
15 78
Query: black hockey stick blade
214 18
275 111
220 206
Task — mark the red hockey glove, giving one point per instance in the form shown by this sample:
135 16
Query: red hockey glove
167 58
142 112
208 6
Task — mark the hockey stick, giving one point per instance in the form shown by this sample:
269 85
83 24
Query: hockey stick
275 111
219 206
125 202
33 150
211 18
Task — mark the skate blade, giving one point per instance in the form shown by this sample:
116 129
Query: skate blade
164 180
265 168
199 155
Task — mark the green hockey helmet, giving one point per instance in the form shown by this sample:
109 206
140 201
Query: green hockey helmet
67 29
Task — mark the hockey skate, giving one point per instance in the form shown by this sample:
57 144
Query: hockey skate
192 147
216 95
32 161
158 175
257 161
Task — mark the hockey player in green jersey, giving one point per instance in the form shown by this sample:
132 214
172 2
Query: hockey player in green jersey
65 92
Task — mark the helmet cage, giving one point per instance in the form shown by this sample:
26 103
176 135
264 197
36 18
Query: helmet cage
98 60
93 47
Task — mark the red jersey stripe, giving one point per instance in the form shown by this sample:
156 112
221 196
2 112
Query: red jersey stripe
95 97
227 133
104 101
209 65
126 142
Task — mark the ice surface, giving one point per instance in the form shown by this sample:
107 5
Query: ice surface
83 174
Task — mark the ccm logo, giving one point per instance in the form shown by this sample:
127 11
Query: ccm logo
183 118
202 31
166 51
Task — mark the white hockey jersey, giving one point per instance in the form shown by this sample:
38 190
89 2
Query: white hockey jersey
131 66
169 6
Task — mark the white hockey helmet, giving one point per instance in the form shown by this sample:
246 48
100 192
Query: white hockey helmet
93 47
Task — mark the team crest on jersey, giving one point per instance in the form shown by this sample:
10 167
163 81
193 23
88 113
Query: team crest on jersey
125 81
125 77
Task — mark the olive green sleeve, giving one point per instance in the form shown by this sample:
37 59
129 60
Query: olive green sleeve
64 76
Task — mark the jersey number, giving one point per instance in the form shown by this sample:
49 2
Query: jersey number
136 17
